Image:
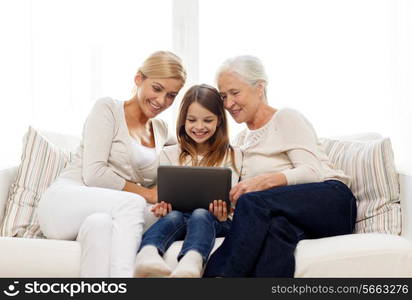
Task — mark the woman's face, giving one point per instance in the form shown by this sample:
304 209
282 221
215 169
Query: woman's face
155 95
240 98
200 124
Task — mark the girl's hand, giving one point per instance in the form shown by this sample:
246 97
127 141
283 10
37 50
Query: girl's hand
219 209
258 183
161 209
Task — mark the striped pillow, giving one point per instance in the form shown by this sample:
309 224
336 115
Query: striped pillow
41 162
374 182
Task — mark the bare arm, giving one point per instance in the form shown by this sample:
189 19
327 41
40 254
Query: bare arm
150 194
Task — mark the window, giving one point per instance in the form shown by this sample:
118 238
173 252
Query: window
62 55
341 63
345 64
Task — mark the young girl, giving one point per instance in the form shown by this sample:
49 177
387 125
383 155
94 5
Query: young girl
202 133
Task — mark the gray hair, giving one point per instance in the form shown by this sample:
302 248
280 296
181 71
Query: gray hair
248 67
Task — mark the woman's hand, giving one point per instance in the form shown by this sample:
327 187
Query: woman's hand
219 209
152 195
161 209
258 183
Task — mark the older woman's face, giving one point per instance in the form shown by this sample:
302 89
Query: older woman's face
240 98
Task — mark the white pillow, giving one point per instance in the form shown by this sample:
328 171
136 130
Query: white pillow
375 183
41 162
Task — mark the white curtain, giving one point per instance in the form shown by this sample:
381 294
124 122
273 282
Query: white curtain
58 56
345 64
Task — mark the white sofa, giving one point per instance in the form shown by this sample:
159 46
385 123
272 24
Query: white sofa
354 255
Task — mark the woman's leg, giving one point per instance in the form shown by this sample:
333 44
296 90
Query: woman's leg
282 238
250 224
267 226
67 204
95 235
156 240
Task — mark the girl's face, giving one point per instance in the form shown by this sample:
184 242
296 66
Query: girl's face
240 98
200 124
155 95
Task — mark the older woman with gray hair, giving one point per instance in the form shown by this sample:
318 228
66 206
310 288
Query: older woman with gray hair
288 190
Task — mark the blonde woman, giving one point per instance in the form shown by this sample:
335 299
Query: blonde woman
101 197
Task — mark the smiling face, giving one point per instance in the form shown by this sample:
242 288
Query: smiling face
155 95
241 99
200 124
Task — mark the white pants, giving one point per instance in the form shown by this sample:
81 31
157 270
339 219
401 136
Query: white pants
108 223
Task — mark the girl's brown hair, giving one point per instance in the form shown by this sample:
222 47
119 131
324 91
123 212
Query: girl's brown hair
219 145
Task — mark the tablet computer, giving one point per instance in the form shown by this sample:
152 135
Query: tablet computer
188 188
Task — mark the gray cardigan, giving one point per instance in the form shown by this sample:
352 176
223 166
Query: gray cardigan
103 158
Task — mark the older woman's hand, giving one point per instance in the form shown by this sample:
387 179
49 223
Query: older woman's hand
258 183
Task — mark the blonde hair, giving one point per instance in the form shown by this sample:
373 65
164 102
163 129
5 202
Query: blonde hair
247 67
163 64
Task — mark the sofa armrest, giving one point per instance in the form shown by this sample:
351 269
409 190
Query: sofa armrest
7 176
405 180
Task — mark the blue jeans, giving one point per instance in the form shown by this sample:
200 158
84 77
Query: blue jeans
267 226
198 229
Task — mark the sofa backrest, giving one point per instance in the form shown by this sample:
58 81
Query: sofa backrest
7 176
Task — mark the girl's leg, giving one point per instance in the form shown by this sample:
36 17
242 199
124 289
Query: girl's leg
268 225
165 231
201 233
67 204
156 240
202 229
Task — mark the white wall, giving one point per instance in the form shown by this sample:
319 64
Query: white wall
58 56
346 64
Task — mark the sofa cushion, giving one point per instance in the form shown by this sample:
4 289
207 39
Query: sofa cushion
355 255
21 257
352 255
375 184
41 162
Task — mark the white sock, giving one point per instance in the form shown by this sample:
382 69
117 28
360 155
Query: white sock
190 265
149 263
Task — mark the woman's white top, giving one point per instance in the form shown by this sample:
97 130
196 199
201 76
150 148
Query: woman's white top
142 156
105 156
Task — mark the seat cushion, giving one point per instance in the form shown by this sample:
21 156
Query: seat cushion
355 255
352 255
27 257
